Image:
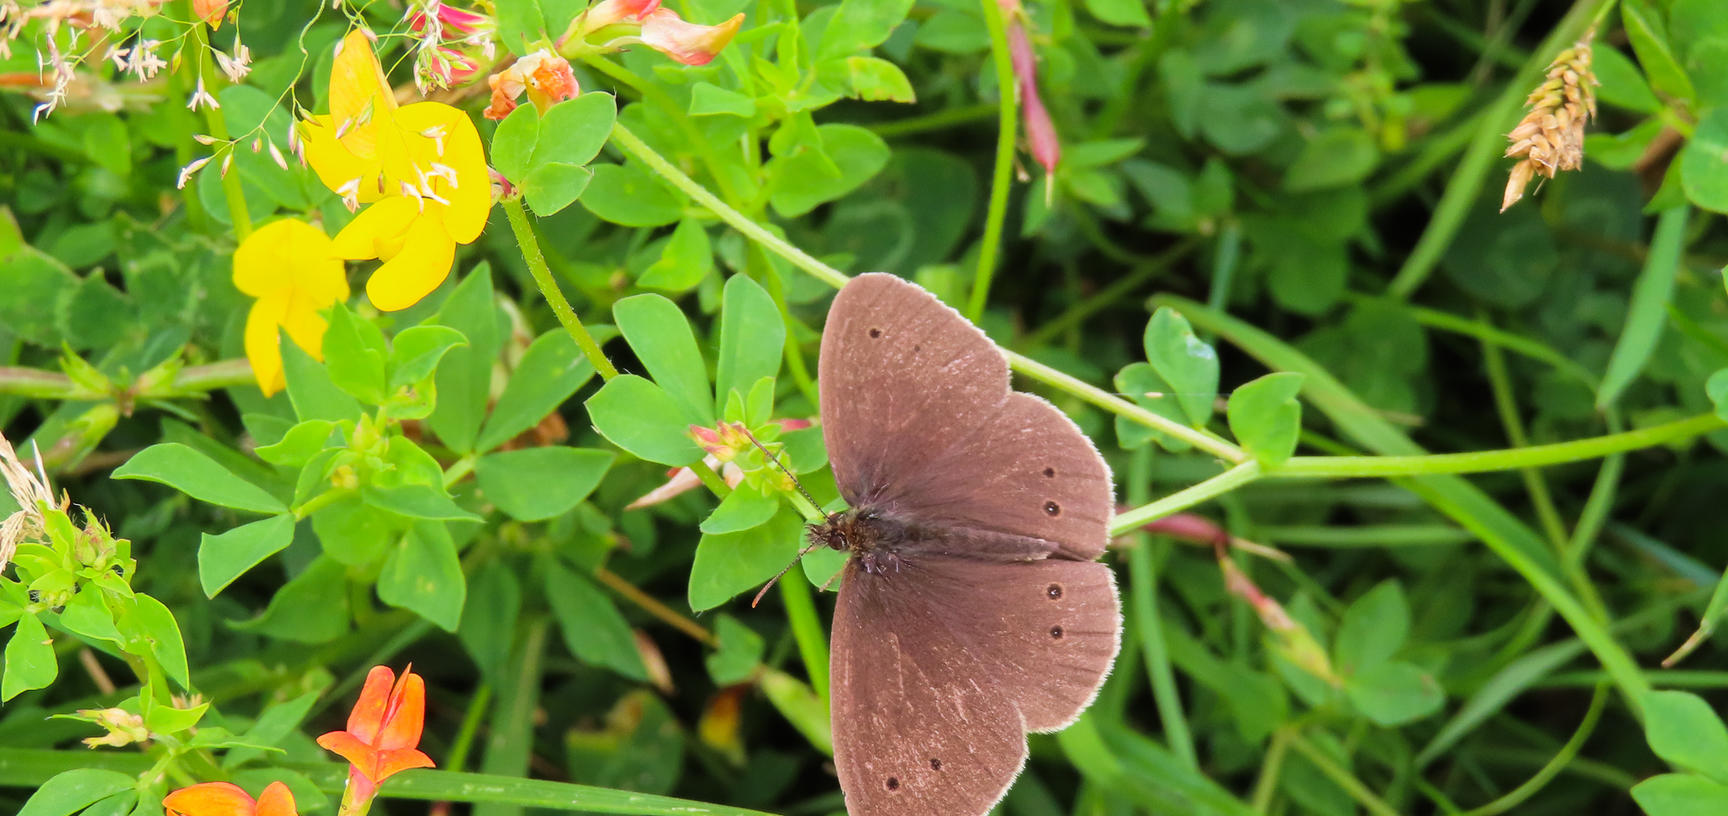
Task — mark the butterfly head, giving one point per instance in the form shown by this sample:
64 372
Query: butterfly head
857 530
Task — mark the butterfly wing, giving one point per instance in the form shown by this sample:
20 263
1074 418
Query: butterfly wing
920 423
940 668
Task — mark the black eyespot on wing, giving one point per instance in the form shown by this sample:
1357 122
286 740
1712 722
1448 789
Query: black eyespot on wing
917 347
1052 508
935 764
893 783
875 333
1049 473
1056 632
1054 591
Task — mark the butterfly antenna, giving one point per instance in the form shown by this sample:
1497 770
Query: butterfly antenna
783 469
783 570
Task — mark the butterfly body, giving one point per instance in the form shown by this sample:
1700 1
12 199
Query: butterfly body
972 610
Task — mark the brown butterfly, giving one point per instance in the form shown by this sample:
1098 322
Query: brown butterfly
972 609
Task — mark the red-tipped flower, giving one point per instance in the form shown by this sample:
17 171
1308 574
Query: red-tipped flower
1041 139
226 799
460 21
688 43
382 731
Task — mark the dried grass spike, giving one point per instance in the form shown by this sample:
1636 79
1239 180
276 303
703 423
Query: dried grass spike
1550 138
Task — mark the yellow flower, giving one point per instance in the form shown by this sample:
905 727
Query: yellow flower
291 267
421 167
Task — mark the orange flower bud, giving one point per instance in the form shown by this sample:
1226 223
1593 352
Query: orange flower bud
210 11
688 43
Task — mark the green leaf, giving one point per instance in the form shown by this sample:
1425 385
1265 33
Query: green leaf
804 180
72 791
859 25
1266 418
156 630
416 501
224 557
1717 389
302 442
1648 311
464 377
87 615
663 340
552 186
550 371
642 418
1184 361
1394 693
424 576
728 564
738 655
627 195
752 337
1704 162
1681 795
594 631
416 351
354 532
488 629
1142 385
311 390
198 476
1131 13
29 659
1334 158
877 80
708 99
1644 29
1373 629
1623 84
512 150
573 131
1685 731
354 355
533 484
311 608
685 262
742 509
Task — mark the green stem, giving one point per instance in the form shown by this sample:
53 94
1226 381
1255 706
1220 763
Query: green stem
1554 766
1110 402
1188 497
1266 786
1113 295
1002 175
710 479
1143 576
633 144
321 501
218 127
1500 382
910 126
1596 447
530 247
807 631
653 606
1346 780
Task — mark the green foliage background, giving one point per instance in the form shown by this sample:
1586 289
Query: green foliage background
1281 215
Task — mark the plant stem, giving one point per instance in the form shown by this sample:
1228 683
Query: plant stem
530 247
1201 439
1344 779
1002 175
1596 447
1554 766
1225 482
633 144
653 606
807 631
218 127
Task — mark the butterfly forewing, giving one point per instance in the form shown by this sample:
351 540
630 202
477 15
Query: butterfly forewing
941 667
919 419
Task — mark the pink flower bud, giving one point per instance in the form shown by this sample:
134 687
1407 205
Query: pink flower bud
610 12
462 21
688 43
1041 138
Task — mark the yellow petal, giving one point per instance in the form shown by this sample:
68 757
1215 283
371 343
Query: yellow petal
359 95
305 326
423 263
261 343
336 165
267 260
378 231
457 147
